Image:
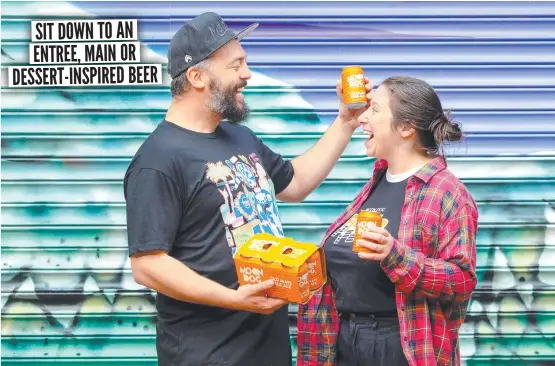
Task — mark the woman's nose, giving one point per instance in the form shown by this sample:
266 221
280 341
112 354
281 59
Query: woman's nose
362 119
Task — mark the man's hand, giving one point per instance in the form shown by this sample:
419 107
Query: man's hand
350 116
253 298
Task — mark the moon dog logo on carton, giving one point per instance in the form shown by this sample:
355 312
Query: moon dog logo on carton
253 275
297 269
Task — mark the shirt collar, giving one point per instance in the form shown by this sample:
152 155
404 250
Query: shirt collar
425 173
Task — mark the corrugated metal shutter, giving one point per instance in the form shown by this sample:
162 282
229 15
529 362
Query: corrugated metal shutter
67 292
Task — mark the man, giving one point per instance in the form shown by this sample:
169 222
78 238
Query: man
197 189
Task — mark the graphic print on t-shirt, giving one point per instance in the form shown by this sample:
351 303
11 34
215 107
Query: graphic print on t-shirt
347 231
248 193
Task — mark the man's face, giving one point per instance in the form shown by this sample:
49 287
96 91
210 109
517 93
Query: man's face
228 75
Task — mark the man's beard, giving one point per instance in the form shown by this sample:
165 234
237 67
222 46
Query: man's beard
225 103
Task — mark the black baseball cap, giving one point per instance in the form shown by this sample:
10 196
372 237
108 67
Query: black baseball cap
199 38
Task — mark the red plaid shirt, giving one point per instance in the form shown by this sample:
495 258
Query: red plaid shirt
432 264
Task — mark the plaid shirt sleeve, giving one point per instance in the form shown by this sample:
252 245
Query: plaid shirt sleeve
449 278
317 330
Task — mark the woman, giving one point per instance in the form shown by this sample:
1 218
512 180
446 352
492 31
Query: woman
404 302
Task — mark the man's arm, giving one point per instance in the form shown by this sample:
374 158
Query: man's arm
164 274
312 167
154 213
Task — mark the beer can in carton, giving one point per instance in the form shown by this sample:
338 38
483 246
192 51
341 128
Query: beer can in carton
252 258
364 220
291 280
316 267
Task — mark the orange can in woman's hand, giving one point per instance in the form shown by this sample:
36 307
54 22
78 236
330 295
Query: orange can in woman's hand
364 220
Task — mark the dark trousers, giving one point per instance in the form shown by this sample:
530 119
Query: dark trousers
369 340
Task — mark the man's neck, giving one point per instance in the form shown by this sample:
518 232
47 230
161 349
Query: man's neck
193 115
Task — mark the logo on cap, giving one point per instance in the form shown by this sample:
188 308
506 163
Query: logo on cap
220 29
188 58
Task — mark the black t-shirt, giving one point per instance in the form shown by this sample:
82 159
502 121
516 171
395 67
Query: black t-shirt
199 196
361 285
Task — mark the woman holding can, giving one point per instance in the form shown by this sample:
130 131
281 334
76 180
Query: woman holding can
401 297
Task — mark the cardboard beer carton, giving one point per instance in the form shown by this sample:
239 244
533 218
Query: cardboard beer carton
297 269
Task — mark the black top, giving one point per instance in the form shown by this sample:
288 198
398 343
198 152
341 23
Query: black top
199 196
361 285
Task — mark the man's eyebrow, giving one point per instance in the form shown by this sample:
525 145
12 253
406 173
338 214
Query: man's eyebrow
241 58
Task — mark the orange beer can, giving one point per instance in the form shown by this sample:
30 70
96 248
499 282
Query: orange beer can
364 220
353 85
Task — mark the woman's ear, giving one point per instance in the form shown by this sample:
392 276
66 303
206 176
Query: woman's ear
406 130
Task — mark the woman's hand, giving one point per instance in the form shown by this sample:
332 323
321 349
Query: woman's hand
378 240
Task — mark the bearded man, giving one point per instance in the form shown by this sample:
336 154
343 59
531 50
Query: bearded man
198 187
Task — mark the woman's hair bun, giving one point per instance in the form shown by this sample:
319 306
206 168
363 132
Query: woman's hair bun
445 129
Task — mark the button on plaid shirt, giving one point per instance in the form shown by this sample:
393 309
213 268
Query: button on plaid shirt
432 264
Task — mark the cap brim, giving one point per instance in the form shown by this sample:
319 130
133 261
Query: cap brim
245 32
